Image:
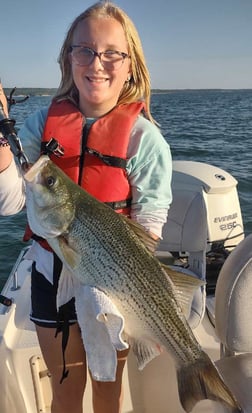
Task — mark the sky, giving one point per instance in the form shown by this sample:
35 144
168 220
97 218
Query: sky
188 44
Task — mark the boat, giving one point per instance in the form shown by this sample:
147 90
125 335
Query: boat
204 234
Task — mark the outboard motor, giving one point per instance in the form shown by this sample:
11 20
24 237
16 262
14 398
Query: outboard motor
204 221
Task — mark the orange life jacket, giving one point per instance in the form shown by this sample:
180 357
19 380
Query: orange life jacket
95 159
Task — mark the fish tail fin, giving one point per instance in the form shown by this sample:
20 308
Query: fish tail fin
202 381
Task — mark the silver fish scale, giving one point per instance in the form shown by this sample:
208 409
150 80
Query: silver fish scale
114 260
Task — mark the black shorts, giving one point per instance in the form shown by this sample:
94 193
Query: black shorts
43 300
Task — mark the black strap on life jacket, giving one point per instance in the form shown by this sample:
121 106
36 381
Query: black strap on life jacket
83 150
114 161
126 203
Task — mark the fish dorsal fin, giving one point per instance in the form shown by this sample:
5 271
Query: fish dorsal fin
149 242
185 285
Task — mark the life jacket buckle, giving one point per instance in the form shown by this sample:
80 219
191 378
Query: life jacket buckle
54 147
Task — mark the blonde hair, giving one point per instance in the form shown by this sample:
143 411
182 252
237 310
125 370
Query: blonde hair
138 87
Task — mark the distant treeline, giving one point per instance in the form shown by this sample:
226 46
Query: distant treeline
31 91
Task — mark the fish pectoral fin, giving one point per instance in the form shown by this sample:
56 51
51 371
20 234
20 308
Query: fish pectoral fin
144 350
149 242
185 286
68 254
65 252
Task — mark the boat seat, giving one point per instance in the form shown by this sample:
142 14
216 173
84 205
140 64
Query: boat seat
186 231
233 320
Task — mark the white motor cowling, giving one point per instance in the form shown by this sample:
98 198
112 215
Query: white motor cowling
204 222
205 210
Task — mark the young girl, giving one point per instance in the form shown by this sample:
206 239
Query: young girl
103 103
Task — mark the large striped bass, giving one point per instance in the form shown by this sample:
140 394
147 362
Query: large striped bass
108 251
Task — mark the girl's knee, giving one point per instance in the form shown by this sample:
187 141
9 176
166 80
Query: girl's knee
107 397
68 396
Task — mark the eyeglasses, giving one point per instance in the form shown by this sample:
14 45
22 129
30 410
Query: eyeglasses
110 59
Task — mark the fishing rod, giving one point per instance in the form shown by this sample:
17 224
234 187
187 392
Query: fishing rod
9 132
12 101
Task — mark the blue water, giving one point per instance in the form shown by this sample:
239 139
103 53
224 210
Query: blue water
213 126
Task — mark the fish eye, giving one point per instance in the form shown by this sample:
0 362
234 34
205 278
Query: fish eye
50 181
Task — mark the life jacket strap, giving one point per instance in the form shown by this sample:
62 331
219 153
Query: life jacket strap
107 159
126 203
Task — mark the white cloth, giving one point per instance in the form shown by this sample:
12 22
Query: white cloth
101 326
100 322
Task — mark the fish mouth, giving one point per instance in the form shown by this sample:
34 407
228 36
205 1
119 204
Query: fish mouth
31 174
